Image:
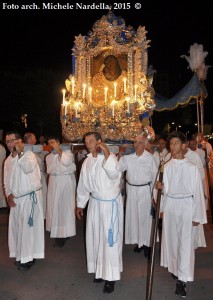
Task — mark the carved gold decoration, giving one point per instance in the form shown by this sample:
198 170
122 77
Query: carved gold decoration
109 90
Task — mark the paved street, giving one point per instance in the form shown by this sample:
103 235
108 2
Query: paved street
62 275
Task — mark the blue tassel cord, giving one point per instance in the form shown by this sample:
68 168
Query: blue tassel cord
33 196
112 239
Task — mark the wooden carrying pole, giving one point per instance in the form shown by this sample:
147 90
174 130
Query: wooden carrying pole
150 272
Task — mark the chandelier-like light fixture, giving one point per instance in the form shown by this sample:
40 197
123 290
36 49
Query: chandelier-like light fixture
109 90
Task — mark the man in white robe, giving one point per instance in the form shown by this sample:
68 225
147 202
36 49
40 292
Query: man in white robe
193 145
99 183
194 157
60 216
183 208
22 182
30 140
207 148
2 158
161 152
141 174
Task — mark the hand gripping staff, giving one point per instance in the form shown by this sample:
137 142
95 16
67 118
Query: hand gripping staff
154 237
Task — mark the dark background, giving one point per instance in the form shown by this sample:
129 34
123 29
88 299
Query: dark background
36 58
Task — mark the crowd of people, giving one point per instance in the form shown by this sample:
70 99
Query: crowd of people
42 191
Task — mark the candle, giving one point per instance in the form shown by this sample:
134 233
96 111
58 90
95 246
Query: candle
113 108
63 91
115 92
73 85
136 92
76 111
105 94
124 85
65 109
127 100
73 64
84 90
90 94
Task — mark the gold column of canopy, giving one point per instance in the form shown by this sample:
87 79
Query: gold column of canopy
109 90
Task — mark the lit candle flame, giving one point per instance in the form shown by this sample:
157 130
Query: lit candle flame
105 94
115 91
63 91
84 90
124 85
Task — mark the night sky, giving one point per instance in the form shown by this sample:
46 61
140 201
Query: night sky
36 56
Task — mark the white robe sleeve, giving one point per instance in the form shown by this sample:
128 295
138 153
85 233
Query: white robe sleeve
7 167
199 210
154 173
111 166
29 164
82 192
67 159
200 166
64 164
50 163
122 164
25 176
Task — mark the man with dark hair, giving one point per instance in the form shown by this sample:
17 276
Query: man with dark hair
183 208
60 217
161 152
99 183
96 135
22 183
10 138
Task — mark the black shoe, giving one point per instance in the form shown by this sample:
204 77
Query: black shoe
138 249
25 266
147 251
17 263
97 280
174 276
180 289
60 242
108 286
32 262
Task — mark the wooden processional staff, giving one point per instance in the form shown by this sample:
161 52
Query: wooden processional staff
154 237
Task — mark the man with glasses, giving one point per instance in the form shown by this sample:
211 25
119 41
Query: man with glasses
22 184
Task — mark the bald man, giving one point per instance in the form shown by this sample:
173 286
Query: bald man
141 171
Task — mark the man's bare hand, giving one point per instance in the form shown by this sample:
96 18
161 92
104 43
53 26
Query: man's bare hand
159 185
104 148
10 201
195 223
19 145
79 212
